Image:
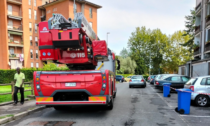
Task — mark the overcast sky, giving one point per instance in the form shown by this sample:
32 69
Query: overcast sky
121 17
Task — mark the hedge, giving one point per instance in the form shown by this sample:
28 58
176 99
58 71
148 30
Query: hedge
6 76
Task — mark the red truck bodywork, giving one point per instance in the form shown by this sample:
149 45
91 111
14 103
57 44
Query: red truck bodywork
83 86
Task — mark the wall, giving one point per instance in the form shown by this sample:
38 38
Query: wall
200 69
62 8
4 56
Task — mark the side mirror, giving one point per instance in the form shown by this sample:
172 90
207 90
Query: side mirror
118 63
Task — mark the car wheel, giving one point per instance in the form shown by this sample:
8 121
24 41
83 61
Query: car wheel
130 86
120 81
202 100
145 86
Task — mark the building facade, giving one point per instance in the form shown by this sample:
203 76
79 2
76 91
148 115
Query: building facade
200 66
19 27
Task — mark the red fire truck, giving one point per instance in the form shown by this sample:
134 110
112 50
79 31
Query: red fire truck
91 79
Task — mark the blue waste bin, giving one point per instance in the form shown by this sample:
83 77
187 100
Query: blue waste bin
184 100
166 89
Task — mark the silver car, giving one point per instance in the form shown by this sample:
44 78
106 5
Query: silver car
199 85
137 80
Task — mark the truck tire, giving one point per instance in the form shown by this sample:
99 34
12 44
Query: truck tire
115 95
110 105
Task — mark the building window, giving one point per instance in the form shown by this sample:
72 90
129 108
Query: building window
37 65
37 54
30 27
54 9
35 3
31 43
48 11
11 38
35 16
183 70
91 13
91 24
36 39
29 2
32 65
35 28
29 12
9 9
36 43
12 51
10 24
31 52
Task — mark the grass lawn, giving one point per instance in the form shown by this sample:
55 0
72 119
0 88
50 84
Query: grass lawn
1 117
8 97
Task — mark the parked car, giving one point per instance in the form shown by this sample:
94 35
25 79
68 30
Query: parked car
127 79
177 81
120 78
160 76
137 80
199 85
152 79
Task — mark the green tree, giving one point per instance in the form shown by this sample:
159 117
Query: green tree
175 54
128 66
146 45
190 31
124 53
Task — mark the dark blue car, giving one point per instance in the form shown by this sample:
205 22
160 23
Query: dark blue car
177 81
119 78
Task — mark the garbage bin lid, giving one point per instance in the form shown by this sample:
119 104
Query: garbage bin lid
183 90
166 83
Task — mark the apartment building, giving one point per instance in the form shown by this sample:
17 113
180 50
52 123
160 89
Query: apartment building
19 27
200 65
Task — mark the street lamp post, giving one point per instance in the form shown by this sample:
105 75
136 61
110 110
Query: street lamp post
107 38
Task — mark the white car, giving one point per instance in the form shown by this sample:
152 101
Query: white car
199 85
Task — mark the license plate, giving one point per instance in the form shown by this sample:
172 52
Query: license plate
70 84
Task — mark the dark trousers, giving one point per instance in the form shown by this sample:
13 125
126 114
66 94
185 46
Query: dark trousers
21 92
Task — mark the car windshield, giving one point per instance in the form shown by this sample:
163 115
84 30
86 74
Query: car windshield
153 77
136 77
191 81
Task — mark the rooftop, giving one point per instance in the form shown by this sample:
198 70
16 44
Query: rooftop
78 1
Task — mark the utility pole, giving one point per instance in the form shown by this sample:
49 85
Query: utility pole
107 37
75 10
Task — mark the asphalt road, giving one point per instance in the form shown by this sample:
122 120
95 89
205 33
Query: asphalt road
132 107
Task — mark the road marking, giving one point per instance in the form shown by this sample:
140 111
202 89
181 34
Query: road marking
194 116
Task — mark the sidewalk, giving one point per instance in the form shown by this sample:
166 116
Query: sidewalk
15 112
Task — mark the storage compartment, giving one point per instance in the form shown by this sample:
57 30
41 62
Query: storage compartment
100 51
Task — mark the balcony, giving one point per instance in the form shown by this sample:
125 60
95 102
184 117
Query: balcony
17 28
207 46
196 49
207 20
43 18
17 2
197 29
16 17
198 8
15 56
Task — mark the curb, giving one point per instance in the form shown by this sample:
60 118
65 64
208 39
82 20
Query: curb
7 103
20 115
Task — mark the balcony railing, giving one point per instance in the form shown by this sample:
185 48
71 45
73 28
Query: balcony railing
15 27
197 29
207 20
15 56
207 46
198 7
197 51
